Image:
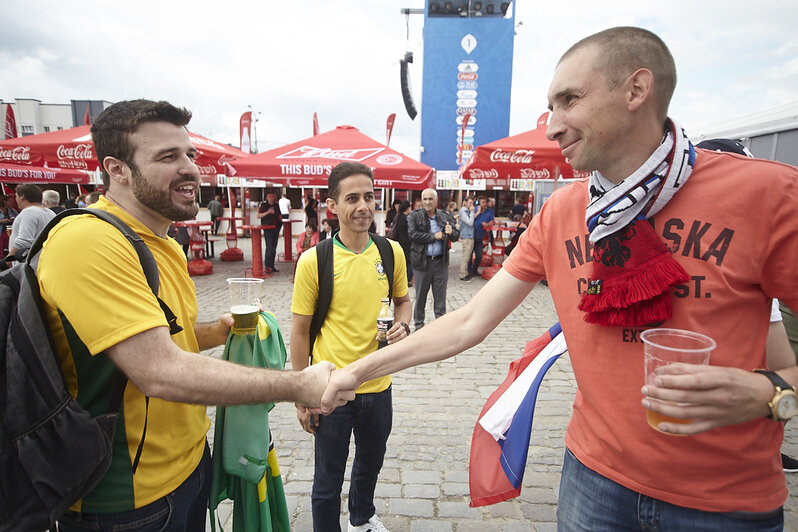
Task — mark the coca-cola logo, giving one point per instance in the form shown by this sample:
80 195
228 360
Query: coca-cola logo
531 173
309 152
225 159
20 153
207 169
478 173
79 151
513 157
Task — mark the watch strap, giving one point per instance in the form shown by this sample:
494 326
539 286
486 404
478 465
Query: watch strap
775 378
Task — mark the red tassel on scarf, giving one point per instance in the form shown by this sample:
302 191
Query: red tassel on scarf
633 272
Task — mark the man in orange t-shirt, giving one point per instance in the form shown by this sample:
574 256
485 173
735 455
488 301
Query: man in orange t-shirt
730 229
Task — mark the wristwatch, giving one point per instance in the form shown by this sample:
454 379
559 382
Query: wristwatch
784 404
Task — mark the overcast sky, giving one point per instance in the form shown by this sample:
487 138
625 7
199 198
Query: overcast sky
340 58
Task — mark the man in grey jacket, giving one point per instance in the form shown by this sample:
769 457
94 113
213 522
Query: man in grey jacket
431 230
31 220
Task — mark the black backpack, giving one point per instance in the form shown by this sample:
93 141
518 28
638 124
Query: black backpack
324 260
52 451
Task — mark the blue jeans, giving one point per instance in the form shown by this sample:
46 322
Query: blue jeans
270 237
370 417
591 502
182 510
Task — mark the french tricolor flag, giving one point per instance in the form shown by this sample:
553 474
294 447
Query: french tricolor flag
500 442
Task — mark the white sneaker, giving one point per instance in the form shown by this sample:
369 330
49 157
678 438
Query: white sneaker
374 525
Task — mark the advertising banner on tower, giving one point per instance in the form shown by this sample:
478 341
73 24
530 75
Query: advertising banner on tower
466 86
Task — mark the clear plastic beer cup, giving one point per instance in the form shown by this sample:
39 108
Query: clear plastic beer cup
244 303
663 347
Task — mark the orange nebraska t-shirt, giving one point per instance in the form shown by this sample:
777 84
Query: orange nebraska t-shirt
734 228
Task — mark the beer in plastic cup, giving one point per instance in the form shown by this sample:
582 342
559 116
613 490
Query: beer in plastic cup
244 303
663 347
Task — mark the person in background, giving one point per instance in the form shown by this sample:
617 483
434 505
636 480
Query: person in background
311 213
52 200
328 227
29 222
216 211
81 201
466 217
308 239
7 215
430 230
269 214
390 216
93 197
403 237
484 216
72 201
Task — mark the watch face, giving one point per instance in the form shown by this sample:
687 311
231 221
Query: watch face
787 406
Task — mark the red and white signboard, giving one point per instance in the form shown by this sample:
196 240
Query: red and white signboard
308 162
73 149
528 155
15 173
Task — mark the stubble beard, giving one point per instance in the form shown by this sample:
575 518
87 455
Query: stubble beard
161 201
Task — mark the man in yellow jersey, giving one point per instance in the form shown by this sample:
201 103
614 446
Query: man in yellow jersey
348 333
151 180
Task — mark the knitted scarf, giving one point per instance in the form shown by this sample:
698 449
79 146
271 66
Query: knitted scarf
633 270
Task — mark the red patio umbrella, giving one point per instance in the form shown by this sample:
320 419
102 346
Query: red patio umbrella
73 149
528 155
308 162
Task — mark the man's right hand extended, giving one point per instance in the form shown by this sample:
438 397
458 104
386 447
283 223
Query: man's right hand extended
313 387
342 384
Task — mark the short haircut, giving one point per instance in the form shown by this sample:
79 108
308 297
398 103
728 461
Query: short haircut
31 193
404 206
341 172
481 197
52 197
113 127
624 50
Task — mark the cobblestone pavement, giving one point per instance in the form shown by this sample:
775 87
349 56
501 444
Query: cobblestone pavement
423 486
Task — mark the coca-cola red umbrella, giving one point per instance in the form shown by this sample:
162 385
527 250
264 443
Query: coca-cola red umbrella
308 162
73 149
17 173
528 155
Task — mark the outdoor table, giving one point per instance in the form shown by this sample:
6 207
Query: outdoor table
199 265
257 253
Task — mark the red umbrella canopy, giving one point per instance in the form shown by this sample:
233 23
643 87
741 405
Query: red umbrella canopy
308 162
528 155
73 149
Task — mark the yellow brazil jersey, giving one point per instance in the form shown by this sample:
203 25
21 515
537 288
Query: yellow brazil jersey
96 295
359 283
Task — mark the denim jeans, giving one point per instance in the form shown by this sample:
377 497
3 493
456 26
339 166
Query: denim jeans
370 417
270 237
182 510
435 276
591 502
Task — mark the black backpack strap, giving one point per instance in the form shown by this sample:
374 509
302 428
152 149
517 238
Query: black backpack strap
324 262
386 252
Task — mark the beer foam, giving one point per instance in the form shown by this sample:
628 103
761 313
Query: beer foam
244 309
